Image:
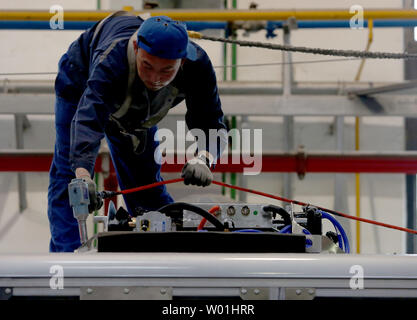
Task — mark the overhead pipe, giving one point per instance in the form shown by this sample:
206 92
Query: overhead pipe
301 163
216 15
323 24
203 25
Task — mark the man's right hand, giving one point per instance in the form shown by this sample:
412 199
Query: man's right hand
95 202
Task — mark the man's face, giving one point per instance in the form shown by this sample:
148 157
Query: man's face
156 72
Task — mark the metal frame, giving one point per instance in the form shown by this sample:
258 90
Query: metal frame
410 123
266 105
287 84
170 275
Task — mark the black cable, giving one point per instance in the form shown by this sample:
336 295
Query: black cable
280 211
186 206
329 52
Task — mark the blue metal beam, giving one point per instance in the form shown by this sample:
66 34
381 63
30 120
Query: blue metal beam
200 25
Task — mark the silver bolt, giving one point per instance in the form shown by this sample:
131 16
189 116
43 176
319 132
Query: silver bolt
245 210
126 290
7 291
89 290
231 211
298 292
310 291
256 291
163 291
243 291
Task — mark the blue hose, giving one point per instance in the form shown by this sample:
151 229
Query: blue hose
339 238
247 230
288 229
339 227
342 237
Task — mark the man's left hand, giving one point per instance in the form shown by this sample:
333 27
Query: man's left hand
197 172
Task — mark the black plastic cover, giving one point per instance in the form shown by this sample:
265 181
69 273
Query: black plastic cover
192 241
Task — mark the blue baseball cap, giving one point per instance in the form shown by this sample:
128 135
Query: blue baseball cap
165 38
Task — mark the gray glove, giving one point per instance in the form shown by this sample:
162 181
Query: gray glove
197 172
95 202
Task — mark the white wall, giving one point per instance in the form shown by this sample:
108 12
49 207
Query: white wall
385 39
382 195
46 47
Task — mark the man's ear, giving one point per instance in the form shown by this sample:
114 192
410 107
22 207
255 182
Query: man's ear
182 61
135 46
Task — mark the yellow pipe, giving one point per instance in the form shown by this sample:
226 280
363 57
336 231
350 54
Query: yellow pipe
357 144
194 34
368 46
218 15
371 31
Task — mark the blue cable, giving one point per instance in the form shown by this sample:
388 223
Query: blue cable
247 230
339 238
288 229
242 230
339 227
342 237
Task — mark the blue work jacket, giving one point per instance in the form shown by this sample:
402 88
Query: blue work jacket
94 73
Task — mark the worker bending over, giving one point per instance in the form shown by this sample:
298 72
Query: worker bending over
117 81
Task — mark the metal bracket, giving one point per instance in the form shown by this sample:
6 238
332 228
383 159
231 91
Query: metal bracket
6 293
365 95
255 293
372 104
317 243
290 24
126 293
299 293
382 89
102 219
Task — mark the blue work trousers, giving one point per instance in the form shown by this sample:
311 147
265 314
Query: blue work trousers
132 171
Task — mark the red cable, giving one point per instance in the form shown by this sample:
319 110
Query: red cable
204 220
149 186
340 214
320 208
